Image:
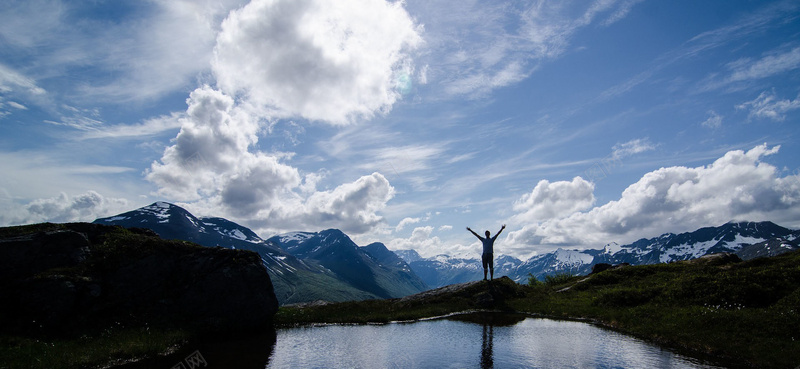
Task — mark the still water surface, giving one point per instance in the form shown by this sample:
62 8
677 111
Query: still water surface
467 341
520 343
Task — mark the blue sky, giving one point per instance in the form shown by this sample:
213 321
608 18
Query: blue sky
576 123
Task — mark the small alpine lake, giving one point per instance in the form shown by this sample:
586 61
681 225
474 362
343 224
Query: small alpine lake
470 341
477 340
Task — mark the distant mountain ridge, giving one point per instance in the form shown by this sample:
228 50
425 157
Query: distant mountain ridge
328 265
298 274
369 268
746 239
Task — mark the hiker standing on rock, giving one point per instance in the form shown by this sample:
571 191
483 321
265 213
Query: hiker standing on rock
487 257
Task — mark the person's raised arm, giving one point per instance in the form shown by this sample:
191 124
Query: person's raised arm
501 230
473 232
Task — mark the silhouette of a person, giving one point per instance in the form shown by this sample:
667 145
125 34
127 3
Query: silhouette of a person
487 258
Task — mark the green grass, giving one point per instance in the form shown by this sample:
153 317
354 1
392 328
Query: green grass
99 350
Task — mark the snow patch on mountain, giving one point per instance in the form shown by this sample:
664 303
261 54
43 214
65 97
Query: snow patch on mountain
687 251
572 257
295 236
612 248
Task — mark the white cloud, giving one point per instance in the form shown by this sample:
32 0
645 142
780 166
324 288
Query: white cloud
406 221
631 147
162 53
776 63
211 149
445 227
737 186
428 245
85 207
744 70
404 159
351 207
320 60
11 80
766 105
714 120
16 105
554 200
213 168
148 50
329 61
149 127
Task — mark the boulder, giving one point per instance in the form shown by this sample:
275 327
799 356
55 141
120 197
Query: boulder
74 277
718 259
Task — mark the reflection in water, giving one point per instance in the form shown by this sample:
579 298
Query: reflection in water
487 361
488 321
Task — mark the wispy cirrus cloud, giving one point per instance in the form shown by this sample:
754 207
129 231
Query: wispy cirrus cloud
631 147
780 60
149 127
475 47
743 71
714 120
768 106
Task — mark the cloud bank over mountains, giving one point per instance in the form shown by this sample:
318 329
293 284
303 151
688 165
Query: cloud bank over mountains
738 186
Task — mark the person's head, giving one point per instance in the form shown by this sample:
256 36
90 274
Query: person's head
487 233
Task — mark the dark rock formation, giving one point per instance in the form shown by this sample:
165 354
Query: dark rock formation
721 258
599 267
476 294
64 278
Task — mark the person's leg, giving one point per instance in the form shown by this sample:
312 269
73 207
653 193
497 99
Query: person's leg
491 265
485 262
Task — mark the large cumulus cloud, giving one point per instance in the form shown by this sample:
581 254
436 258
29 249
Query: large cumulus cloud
334 62
212 166
322 60
737 186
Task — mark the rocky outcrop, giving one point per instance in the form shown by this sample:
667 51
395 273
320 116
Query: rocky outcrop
476 294
73 277
720 258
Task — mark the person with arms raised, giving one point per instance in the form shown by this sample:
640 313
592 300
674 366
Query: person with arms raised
487 258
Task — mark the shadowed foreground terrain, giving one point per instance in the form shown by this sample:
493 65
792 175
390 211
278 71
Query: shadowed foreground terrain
83 295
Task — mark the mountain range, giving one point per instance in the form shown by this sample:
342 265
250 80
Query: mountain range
746 239
328 265
303 266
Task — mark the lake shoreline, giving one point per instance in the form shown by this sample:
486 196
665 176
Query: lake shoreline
737 314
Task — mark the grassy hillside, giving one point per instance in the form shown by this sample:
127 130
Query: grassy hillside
737 313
